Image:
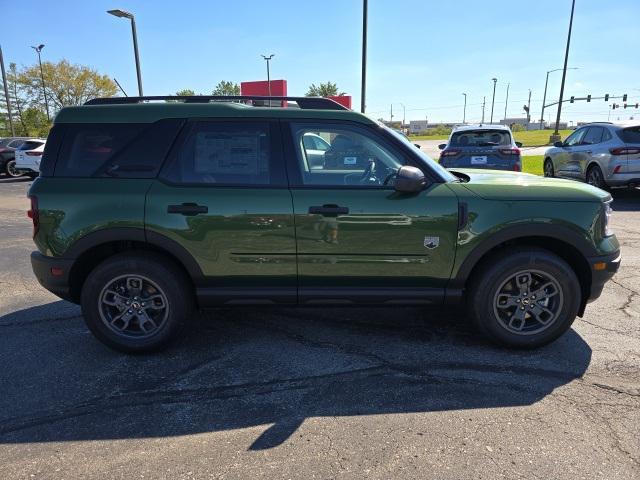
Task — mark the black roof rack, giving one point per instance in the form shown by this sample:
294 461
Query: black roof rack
307 103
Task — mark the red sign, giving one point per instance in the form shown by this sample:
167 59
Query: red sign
344 100
261 88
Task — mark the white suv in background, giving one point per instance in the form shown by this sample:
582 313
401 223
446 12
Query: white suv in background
29 155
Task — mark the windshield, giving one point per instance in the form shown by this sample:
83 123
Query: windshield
480 138
445 174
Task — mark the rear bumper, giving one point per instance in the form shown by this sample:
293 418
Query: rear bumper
603 268
623 180
53 274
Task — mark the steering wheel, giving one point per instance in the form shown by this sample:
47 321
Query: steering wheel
369 173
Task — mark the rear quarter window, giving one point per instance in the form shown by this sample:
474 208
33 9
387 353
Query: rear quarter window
30 145
120 150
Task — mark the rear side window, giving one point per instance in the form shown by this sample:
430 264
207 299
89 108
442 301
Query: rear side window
593 136
115 149
630 135
229 153
480 138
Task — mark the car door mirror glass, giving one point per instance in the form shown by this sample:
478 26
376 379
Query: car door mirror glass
519 144
409 180
442 146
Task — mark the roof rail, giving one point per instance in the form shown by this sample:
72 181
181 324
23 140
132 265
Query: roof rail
306 103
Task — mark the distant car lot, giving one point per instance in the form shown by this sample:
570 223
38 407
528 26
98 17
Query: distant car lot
375 393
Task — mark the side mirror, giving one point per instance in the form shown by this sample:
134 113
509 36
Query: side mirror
409 180
519 144
558 144
417 146
442 146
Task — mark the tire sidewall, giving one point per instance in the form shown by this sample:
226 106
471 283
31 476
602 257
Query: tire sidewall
503 268
548 161
168 278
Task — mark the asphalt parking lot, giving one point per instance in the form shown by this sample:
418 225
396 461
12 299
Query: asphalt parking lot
323 393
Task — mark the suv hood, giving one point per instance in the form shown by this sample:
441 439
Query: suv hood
504 185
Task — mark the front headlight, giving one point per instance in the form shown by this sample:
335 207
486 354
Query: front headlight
606 219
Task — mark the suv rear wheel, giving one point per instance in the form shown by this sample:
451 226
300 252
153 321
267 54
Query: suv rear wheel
136 302
595 177
526 298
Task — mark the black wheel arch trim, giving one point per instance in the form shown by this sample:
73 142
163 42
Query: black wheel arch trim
519 232
136 234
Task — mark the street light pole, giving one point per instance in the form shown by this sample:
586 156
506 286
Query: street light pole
464 110
38 49
124 14
556 135
484 101
6 94
494 80
268 59
363 86
544 97
506 102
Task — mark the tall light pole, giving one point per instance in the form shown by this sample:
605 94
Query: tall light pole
404 112
544 97
494 80
38 49
556 135
268 59
464 110
6 94
363 87
484 101
506 102
124 14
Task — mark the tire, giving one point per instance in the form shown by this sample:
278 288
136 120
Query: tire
33 175
10 169
160 296
549 171
513 316
595 177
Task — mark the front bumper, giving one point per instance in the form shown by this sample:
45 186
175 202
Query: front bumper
603 268
53 274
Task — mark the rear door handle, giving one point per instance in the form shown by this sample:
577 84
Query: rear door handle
188 209
329 209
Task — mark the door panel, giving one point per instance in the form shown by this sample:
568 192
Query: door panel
380 242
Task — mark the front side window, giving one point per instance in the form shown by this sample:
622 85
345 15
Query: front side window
575 138
224 154
352 156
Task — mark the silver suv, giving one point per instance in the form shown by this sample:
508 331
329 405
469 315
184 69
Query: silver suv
603 154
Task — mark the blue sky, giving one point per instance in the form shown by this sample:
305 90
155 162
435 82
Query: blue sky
422 53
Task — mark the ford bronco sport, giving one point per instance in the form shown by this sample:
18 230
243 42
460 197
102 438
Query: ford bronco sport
146 209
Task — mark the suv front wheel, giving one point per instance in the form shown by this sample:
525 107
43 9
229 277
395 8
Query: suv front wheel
136 302
525 298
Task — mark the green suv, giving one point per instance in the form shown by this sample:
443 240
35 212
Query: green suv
148 208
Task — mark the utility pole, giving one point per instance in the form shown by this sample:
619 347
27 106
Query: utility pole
464 110
391 116
38 49
484 99
6 94
529 108
506 102
363 87
494 80
556 135
268 59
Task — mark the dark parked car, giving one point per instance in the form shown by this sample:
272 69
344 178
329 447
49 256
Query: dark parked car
8 147
481 146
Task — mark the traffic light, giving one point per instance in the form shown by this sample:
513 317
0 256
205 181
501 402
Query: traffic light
625 105
606 97
614 106
624 97
572 99
637 105
588 98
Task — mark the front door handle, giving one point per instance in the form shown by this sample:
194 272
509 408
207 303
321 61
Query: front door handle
188 209
329 209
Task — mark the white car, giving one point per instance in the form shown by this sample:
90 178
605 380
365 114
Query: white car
29 155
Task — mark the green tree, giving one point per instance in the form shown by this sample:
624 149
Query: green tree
187 92
328 89
226 88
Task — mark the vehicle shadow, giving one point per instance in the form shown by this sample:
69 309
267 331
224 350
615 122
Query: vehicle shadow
24 179
626 199
271 368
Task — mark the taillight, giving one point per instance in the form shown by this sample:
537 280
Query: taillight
449 153
617 169
625 151
516 167
510 151
33 154
34 214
